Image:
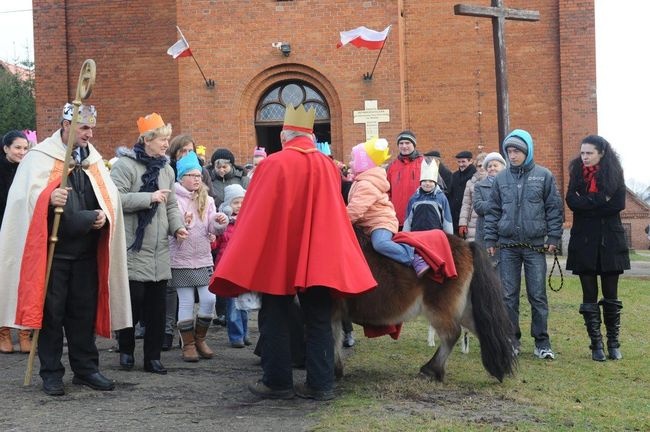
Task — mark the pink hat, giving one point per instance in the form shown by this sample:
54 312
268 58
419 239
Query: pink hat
259 151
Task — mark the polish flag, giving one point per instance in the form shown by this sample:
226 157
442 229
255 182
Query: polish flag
364 37
180 48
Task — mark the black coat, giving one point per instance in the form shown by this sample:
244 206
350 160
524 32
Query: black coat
456 191
7 173
597 243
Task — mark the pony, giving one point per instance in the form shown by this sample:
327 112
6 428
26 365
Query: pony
473 300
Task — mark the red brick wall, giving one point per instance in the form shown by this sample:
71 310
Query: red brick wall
135 76
449 73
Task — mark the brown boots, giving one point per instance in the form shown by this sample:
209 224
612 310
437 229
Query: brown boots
7 345
193 339
202 325
186 330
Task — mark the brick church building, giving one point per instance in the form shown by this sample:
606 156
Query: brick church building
435 75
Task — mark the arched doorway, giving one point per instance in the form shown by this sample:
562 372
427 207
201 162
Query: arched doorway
269 114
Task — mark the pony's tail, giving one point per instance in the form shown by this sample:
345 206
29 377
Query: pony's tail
492 325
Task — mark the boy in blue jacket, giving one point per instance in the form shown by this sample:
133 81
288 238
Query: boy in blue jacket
524 219
428 208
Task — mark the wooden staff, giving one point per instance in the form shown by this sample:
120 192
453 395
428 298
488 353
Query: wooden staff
84 89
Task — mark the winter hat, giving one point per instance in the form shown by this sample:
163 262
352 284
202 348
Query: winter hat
187 163
491 157
407 135
522 140
433 153
465 154
429 170
223 153
259 152
370 154
230 193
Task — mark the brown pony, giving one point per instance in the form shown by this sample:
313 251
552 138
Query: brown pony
474 300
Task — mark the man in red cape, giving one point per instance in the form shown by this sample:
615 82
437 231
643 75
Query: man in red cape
293 237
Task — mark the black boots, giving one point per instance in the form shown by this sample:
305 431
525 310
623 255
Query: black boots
591 314
612 318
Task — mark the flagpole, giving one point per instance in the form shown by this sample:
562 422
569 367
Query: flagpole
368 76
208 82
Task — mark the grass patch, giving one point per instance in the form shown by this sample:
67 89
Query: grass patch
382 389
636 255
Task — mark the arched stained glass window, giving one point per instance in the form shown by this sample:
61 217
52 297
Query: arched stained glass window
272 106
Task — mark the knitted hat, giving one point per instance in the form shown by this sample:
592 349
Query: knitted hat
223 153
187 163
370 154
465 154
259 152
516 142
87 114
491 157
407 135
230 193
429 170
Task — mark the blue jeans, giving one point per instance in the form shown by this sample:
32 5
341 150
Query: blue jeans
535 274
382 242
236 322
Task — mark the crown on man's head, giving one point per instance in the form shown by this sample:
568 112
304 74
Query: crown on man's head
298 119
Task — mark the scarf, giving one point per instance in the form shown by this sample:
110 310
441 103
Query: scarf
589 175
491 178
149 184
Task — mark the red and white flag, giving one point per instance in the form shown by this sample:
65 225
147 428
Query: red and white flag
364 37
180 48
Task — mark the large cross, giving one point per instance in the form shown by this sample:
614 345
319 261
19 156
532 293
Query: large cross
499 15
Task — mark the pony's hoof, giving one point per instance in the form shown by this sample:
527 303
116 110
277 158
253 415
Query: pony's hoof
432 373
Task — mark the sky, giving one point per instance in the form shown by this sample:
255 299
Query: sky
623 82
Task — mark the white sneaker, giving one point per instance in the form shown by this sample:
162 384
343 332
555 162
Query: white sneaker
544 353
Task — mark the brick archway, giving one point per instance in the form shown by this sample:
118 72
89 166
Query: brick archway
256 88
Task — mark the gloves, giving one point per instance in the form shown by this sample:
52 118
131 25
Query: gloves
462 231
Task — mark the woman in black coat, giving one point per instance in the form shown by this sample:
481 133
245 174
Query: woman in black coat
596 195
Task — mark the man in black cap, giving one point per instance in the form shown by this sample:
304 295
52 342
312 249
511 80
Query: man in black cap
404 174
456 188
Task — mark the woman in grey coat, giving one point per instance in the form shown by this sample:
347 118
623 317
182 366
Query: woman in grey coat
146 185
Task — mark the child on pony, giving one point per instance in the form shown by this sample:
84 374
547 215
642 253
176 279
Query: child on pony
370 208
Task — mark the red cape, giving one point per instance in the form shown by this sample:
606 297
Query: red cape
293 231
433 246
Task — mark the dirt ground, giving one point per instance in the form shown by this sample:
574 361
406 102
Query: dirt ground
208 395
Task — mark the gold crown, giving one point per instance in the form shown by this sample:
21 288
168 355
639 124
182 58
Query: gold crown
298 119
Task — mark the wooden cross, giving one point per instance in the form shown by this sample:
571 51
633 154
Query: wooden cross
499 14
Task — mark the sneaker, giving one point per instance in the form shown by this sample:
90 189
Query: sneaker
544 353
419 265
348 340
306 392
259 389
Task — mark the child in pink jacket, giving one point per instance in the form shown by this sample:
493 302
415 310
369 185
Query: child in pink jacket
191 259
370 208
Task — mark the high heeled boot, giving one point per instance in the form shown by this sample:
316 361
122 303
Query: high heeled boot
186 330
612 317
6 344
591 313
200 332
25 339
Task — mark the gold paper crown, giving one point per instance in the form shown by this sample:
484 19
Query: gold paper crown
298 119
377 150
200 150
150 122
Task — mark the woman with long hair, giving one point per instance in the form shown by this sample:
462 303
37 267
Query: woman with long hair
597 247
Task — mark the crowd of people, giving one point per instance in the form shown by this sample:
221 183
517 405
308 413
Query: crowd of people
159 229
